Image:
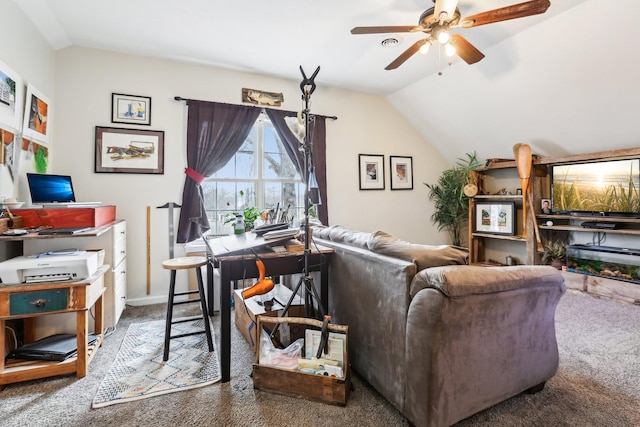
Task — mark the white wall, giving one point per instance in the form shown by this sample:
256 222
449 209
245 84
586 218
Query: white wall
85 79
27 53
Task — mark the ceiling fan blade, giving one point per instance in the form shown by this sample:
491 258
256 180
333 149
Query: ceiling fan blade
388 29
465 50
447 6
406 55
520 10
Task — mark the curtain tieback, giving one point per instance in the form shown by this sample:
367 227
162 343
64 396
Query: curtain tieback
194 175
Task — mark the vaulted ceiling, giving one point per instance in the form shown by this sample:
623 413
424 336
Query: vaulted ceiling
565 81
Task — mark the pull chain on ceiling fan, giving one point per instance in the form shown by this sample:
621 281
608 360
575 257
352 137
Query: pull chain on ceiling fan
438 21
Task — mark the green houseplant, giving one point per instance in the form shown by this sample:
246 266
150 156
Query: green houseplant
250 216
553 253
451 205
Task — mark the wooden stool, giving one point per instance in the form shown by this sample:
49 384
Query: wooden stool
184 263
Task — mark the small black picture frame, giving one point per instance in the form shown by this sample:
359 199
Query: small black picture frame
130 109
371 169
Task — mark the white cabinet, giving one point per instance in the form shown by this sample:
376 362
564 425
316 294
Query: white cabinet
113 239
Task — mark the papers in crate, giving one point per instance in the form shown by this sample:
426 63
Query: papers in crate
331 362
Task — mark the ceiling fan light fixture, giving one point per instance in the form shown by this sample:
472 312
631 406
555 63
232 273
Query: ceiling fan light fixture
425 47
443 36
449 49
437 21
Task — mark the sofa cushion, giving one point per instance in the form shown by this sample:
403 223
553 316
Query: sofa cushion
340 234
458 281
424 256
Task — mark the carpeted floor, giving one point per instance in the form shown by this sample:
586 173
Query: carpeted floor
597 384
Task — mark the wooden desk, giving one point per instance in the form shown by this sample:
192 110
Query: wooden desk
238 267
80 297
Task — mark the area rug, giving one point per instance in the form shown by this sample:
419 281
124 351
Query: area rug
139 372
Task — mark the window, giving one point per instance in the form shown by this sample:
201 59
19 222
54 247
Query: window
260 174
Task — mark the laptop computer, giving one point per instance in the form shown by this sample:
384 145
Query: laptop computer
56 347
63 231
53 191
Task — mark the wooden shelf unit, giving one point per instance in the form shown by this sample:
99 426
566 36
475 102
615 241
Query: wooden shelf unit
569 223
563 225
478 240
80 296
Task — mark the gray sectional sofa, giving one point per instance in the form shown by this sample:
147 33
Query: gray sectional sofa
441 340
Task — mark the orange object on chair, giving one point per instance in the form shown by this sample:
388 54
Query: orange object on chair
262 286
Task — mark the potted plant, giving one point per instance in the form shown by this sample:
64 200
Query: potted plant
250 215
451 204
553 253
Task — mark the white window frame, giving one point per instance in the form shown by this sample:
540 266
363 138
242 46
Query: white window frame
217 226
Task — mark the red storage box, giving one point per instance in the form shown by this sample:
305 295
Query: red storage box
67 217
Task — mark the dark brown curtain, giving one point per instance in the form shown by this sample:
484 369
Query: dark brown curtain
318 160
215 132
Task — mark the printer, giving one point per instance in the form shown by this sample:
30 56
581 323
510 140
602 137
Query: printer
53 266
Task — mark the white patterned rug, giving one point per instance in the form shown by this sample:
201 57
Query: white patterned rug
139 372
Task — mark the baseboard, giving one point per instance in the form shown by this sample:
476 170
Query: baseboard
136 302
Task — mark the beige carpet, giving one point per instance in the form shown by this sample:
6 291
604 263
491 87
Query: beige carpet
597 385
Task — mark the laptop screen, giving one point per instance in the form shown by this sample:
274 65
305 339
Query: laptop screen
50 188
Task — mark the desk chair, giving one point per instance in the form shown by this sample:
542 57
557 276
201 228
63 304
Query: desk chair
184 263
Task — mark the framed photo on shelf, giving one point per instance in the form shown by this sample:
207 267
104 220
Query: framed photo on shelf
545 206
371 171
495 218
401 170
131 109
129 151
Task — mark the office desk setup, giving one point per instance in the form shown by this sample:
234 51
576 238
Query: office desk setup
235 257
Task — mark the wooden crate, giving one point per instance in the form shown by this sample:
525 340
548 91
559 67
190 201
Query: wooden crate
318 388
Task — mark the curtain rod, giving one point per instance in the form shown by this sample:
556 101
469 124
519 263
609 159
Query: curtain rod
179 98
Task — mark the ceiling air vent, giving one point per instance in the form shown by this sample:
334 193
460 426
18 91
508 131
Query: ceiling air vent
390 42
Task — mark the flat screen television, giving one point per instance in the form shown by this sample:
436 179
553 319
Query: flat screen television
50 188
605 187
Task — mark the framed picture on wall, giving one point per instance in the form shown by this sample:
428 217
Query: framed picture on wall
131 109
495 218
129 151
37 111
401 171
11 98
371 171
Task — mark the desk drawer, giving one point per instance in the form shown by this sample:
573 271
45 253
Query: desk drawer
38 302
119 251
119 232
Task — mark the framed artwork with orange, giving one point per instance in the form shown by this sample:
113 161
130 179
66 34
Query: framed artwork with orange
36 115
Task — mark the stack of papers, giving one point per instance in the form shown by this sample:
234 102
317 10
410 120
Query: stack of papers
281 234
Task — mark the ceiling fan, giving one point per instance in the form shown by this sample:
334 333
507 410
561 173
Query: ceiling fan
437 22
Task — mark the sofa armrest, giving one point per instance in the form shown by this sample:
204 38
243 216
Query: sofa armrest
459 281
477 336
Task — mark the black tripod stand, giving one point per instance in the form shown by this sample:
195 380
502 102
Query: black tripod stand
307 86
